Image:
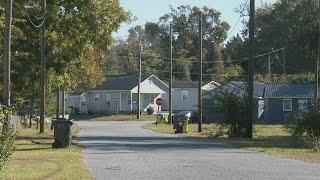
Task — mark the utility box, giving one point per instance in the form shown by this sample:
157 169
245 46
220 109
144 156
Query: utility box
62 133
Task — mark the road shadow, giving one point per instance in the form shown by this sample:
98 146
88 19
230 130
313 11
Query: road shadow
137 143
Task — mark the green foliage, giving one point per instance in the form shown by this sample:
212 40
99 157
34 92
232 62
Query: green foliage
7 136
234 113
150 110
155 38
308 124
76 44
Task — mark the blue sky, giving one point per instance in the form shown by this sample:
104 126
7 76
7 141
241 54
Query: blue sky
151 10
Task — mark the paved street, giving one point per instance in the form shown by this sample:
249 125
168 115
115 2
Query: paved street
123 150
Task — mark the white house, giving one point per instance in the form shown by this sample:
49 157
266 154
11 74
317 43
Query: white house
119 93
75 101
185 95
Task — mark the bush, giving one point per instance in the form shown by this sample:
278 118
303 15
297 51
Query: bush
233 108
307 127
7 136
150 111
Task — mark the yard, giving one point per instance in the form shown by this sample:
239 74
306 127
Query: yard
120 117
34 158
269 139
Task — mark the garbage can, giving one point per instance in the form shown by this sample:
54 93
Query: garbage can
62 133
181 125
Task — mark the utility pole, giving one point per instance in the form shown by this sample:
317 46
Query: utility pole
284 62
139 82
316 96
269 66
7 54
63 104
7 63
200 74
58 103
170 83
43 69
250 70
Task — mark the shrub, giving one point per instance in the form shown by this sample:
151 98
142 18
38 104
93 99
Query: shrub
233 108
307 127
150 111
7 136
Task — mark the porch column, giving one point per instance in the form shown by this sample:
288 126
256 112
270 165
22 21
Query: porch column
130 102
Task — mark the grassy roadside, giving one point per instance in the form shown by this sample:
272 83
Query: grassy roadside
269 139
35 159
120 117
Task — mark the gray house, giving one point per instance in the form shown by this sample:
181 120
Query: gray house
238 88
185 95
284 102
75 101
120 93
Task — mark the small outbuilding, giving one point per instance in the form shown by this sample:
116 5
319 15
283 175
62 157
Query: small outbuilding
285 102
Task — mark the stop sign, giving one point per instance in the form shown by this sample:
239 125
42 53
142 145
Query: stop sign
159 101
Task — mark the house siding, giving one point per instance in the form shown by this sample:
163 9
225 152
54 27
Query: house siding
274 113
178 104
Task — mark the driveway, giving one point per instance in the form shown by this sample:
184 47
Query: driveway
124 150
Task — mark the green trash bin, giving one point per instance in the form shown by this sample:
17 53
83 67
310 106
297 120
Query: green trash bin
181 125
186 126
62 133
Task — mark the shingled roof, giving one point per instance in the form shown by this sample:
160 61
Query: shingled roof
258 87
119 83
290 90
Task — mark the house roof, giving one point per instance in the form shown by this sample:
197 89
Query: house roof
188 84
289 90
239 88
119 83
123 83
258 87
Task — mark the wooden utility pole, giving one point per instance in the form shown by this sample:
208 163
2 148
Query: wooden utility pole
269 66
316 95
284 62
63 104
43 69
58 103
200 74
7 54
170 83
139 82
251 70
6 64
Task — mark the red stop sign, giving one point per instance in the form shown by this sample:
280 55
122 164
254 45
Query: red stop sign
159 101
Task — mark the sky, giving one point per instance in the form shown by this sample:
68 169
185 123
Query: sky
152 10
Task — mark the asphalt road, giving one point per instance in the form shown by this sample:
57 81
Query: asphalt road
123 150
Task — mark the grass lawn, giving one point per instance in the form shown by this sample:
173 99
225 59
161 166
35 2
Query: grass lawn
120 117
39 161
270 139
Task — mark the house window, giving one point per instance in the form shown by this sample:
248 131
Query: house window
185 95
302 105
96 97
152 97
108 97
287 105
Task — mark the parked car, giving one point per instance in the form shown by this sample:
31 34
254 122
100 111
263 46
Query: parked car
191 115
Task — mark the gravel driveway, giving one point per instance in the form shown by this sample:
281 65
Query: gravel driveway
124 150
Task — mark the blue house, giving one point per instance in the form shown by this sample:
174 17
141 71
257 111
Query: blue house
284 102
238 88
